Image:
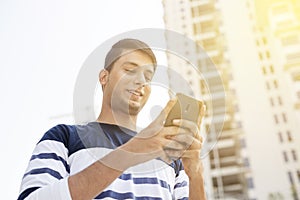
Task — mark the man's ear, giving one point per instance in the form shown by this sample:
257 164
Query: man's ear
103 77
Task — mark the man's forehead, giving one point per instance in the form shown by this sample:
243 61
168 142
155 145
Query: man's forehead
136 57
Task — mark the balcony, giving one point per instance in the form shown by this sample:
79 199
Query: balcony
226 161
233 188
227 171
297 105
214 95
225 143
210 74
292 60
231 132
203 3
206 35
213 53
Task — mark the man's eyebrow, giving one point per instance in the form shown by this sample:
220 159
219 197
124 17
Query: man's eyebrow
130 63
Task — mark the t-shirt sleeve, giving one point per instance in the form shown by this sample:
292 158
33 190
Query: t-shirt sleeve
181 187
46 176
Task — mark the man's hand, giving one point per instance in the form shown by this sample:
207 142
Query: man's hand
193 142
180 140
152 141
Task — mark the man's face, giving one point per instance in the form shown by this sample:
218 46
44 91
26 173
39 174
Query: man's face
128 85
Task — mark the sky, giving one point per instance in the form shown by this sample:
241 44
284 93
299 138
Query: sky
43 46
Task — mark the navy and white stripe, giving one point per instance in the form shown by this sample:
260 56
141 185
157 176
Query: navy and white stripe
65 150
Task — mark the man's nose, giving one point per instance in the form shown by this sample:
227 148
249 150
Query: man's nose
140 79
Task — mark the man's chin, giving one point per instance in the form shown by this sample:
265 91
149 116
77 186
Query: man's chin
134 107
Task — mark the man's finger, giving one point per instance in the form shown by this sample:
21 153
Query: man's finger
174 154
172 144
164 157
191 154
164 113
190 125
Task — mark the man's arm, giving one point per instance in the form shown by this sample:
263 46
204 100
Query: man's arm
196 188
91 181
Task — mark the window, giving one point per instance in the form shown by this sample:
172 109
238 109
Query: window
271 69
264 40
260 56
246 162
294 155
257 42
267 54
285 157
268 85
275 84
279 101
239 124
276 119
242 143
247 4
236 108
233 91
280 137
291 178
250 16
296 77
284 117
271 101
264 70
250 183
298 94
289 136
197 28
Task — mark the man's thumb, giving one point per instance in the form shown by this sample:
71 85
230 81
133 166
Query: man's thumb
164 113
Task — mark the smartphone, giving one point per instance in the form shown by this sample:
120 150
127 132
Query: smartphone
185 108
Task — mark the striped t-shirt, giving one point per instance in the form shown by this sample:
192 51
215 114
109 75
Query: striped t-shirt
67 149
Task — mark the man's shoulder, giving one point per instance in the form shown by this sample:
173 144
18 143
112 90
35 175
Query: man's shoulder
65 132
67 135
60 133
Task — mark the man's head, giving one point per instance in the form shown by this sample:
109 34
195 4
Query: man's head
124 46
129 68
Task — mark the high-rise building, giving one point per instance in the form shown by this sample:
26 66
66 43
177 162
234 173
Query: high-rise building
256 156
284 23
285 29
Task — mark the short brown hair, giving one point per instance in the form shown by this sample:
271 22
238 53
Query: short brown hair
117 50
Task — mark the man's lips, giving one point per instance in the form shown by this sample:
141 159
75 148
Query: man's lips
138 93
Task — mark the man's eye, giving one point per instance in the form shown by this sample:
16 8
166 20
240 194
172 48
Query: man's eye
130 70
148 78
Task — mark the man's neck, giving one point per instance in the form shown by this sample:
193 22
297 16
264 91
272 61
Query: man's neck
117 118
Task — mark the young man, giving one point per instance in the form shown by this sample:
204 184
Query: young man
108 158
